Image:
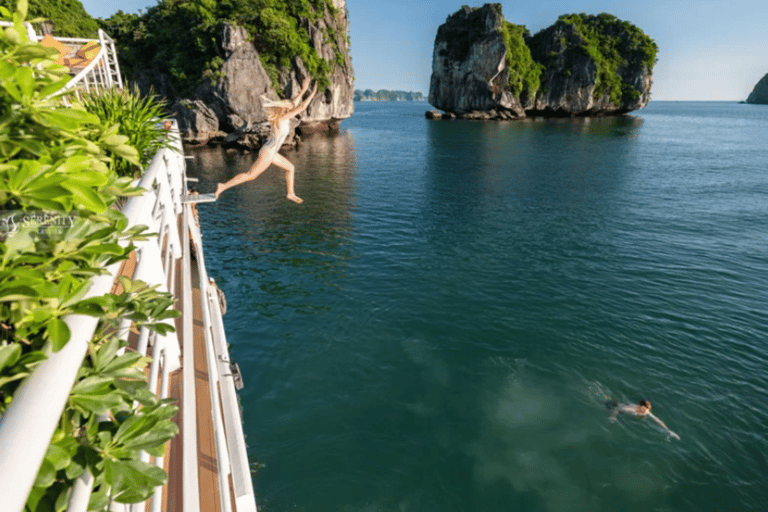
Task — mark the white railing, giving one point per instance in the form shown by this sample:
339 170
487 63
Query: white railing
103 71
31 418
227 424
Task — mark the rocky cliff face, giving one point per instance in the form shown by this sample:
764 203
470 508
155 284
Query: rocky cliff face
585 65
231 104
469 69
759 94
328 34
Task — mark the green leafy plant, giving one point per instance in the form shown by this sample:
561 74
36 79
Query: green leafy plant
134 116
59 229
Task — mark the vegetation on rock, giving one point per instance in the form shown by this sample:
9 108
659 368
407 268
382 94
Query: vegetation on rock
524 72
183 38
68 17
611 43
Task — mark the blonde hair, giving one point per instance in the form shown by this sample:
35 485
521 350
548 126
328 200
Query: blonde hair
274 114
276 109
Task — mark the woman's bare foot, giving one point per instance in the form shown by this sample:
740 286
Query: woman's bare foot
219 190
296 199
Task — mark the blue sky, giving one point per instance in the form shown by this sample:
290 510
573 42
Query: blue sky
708 49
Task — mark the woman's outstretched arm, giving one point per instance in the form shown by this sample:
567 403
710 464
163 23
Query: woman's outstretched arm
296 100
303 105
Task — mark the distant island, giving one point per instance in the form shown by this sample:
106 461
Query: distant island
385 95
759 95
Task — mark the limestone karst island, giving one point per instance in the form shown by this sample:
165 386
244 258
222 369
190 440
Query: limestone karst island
484 67
214 86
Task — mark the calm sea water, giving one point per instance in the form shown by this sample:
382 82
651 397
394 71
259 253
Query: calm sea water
438 326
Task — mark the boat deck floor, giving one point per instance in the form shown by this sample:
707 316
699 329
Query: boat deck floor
207 470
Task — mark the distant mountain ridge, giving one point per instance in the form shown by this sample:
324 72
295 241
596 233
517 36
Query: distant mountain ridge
385 95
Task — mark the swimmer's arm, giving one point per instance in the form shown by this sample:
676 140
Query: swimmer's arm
661 423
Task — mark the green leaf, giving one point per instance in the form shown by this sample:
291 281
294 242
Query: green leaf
96 404
130 387
115 140
104 355
95 384
35 51
25 80
132 426
155 438
58 457
17 293
9 355
34 498
64 118
58 332
75 469
46 475
13 35
127 360
99 499
133 481
11 87
86 197
22 7
32 359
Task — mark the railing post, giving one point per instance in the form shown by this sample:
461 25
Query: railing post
190 479
107 70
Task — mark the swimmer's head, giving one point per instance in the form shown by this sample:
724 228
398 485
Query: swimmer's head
646 404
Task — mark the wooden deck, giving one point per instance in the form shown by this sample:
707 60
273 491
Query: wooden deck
208 473
207 470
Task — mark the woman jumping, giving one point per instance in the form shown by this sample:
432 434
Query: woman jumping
279 115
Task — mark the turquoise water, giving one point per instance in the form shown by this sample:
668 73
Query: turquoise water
438 326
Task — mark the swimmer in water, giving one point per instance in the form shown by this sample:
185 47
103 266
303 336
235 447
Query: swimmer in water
642 409
279 114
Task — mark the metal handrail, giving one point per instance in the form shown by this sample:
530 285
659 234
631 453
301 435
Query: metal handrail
99 63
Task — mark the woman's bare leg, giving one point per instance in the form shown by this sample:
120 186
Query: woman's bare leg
259 166
289 168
